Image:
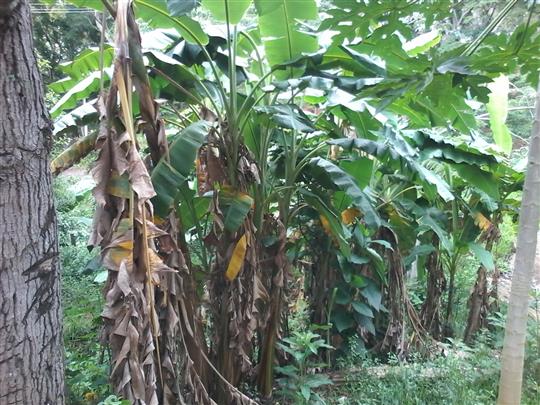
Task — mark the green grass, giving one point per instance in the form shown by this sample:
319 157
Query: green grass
461 376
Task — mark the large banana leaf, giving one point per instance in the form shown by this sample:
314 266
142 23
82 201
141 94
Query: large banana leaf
171 173
235 207
456 149
192 208
88 61
81 90
334 224
283 41
345 182
181 7
156 14
169 76
392 149
361 169
78 117
221 9
479 178
288 116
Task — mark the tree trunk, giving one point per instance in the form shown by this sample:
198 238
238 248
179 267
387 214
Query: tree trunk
430 314
448 320
516 321
478 302
31 359
478 306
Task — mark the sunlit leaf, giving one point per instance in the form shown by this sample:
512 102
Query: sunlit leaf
283 41
498 111
422 43
221 9
156 14
181 7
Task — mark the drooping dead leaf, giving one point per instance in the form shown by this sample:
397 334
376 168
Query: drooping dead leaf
482 222
118 185
349 215
73 153
326 225
237 259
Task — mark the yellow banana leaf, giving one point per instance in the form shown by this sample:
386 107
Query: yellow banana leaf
237 259
349 215
482 222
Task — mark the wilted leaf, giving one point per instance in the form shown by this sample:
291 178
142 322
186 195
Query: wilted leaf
237 259
325 225
118 185
349 215
73 153
482 222
339 232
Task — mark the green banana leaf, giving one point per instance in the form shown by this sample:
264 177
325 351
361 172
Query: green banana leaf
172 171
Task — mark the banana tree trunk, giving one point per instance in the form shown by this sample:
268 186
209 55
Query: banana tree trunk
478 302
430 314
275 267
516 321
31 355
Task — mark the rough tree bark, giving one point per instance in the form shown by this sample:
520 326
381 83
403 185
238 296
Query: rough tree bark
31 359
516 321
